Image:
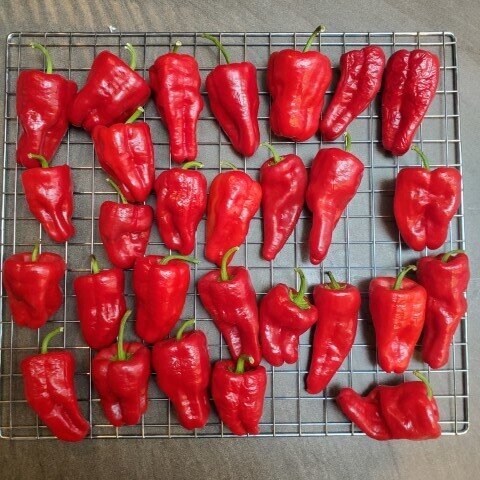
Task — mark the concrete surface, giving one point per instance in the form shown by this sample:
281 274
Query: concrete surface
321 458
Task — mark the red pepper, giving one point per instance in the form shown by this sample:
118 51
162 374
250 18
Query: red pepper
334 180
239 394
120 374
183 369
124 230
230 299
360 80
445 278
48 380
42 102
233 201
160 285
338 305
125 152
409 86
111 94
425 201
297 82
397 307
285 314
284 183
100 304
406 411
49 196
181 203
31 281
175 81
233 94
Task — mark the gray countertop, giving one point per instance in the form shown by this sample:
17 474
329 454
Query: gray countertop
333 457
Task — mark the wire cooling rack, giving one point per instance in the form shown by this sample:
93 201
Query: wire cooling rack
366 242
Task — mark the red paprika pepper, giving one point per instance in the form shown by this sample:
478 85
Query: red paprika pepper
31 281
111 94
239 394
284 183
48 380
120 374
297 82
100 304
233 93
233 201
425 201
397 307
406 411
160 285
334 180
49 196
409 86
42 103
445 278
183 369
181 203
361 74
124 230
285 314
175 82
338 305
230 299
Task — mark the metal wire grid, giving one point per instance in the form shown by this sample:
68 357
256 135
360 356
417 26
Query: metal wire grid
366 242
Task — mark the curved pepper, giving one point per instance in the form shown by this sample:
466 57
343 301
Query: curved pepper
181 203
183 369
120 374
42 103
285 314
361 74
175 82
297 82
284 183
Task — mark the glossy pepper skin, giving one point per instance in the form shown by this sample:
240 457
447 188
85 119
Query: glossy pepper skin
334 180
406 411
297 82
183 370
181 203
397 307
175 82
445 278
233 201
42 103
49 385
425 202
31 281
361 74
409 86
160 285
229 298
239 394
233 94
111 94
100 304
338 305
284 182
49 196
120 375
285 314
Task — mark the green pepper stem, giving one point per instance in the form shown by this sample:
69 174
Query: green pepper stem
422 156
240 367
276 157
117 189
40 158
348 141
317 31
217 42
188 165
185 258
46 53
334 285
446 256
185 324
223 266
94 266
133 56
424 379
299 298
228 164
36 249
121 355
398 282
48 337
135 115
176 46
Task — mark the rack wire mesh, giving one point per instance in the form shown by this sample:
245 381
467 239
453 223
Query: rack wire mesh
365 244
